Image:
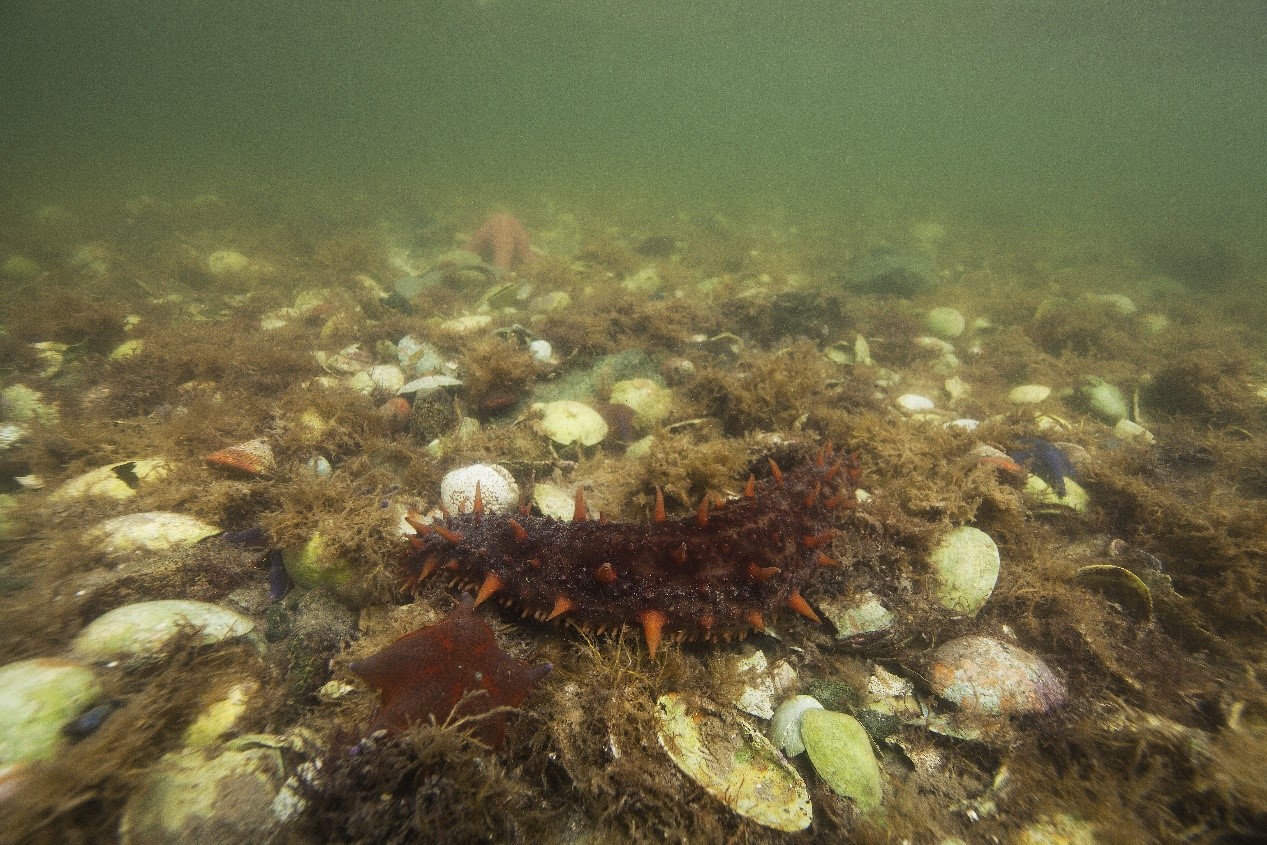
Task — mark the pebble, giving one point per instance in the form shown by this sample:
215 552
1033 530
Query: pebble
139 632
945 323
913 403
1028 394
1105 400
965 565
983 675
224 261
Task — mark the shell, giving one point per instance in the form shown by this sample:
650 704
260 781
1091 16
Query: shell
965 567
254 457
142 631
38 697
152 531
984 675
840 751
733 763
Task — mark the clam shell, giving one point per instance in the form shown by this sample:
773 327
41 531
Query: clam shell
840 750
152 531
733 762
965 568
143 630
984 675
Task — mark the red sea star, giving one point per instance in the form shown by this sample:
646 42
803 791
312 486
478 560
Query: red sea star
428 673
503 241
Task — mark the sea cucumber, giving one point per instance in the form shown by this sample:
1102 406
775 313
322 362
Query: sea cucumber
714 575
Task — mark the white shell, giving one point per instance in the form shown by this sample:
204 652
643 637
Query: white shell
152 531
115 481
143 630
498 489
913 403
785 728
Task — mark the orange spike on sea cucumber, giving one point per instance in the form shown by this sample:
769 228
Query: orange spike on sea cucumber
833 471
762 573
561 606
678 555
580 514
776 472
820 459
798 603
701 516
652 624
706 621
824 560
491 585
605 574
750 489
816 540
659 515
415 522
812 496
429 566
478 507
521 533
755 620
446 533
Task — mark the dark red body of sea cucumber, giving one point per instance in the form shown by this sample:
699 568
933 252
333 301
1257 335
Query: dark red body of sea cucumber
714 575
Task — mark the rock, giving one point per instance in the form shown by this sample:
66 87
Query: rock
983 675
498 489
1044 497
733 762
1105 400
785 727
116 481
152 531
37 698
142 631
567 422
227 261
840 750
945 323
965 565
20 403
1028 394
856 615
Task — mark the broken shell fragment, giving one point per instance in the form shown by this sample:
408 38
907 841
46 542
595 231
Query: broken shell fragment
141 631
152 531
254 457
984 675
840 750
733 762
965 568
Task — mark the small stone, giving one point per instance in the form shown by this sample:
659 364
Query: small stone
856 615
141 631
945 323
316 565
785 727
1028 394
1105 400
650 402
1044 496
498 489
37 698
984 675
965 565
840 750
1128 430
913 403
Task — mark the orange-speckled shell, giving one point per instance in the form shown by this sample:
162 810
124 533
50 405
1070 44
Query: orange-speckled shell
254 457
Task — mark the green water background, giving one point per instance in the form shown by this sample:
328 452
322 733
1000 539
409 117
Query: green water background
1136 113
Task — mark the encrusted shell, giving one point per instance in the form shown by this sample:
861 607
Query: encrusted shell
984 675
254 457
734 763
498 490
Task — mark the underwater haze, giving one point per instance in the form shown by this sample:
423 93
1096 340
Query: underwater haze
1141 111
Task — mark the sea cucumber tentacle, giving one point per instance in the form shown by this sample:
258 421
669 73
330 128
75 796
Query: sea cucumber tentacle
715 574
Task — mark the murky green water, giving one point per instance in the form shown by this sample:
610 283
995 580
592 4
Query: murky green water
1147 112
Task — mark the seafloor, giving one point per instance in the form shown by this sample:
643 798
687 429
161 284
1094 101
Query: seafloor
164 330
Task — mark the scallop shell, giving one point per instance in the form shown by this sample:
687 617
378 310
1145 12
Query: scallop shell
254 457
